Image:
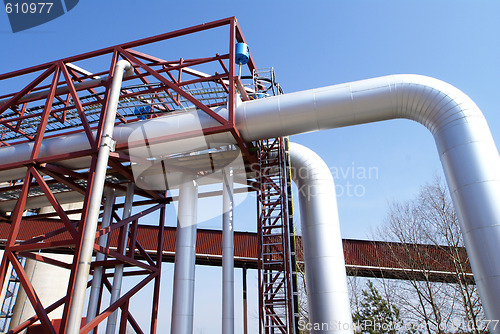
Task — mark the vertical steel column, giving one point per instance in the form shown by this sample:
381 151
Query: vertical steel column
245 320
95 290
118 276
88 238
185 257
227 252
159 254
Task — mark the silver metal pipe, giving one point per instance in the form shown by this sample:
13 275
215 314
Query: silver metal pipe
109 194
173 124
464 143
227 253
88 239
185 257
118 275
5 284
328 298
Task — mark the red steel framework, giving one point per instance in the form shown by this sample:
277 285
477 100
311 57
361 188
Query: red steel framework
60 98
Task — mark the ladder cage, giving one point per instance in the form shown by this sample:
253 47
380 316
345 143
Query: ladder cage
278 302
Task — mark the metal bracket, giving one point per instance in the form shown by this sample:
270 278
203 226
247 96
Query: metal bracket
107 140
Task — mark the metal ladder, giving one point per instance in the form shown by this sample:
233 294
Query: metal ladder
278 303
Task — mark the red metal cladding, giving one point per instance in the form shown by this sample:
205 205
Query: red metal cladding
358 253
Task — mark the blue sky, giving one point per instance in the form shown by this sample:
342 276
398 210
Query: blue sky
311 44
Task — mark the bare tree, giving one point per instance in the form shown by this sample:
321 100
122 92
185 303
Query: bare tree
422 235
443 303
302 287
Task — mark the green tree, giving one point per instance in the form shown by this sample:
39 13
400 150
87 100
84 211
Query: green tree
376 315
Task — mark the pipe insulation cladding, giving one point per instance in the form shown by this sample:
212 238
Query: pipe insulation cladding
465 146
464 142
327 294
185 258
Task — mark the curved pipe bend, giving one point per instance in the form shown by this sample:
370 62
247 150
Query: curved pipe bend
464 142
328 298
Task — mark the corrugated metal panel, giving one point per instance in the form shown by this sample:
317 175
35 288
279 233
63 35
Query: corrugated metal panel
363 258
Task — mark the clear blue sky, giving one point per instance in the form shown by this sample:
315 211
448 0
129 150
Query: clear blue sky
311 44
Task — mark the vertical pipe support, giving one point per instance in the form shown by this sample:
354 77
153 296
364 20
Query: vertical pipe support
159 254
245 319
88 238
118 275
185 257
227 252
95 289
326 278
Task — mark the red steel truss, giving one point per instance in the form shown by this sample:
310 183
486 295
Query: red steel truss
62 97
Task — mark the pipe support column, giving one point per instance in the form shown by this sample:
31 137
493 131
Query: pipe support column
95 290
118 275
227 253
185 257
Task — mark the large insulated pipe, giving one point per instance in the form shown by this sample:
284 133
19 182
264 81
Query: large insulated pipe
88 238
465 146
185 257
326 279
109 194
227 253
118 274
